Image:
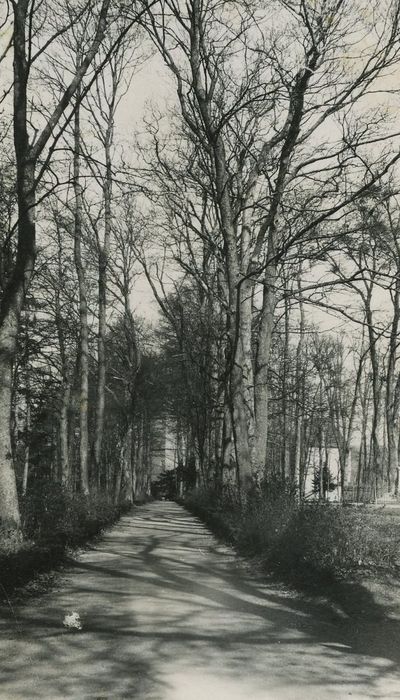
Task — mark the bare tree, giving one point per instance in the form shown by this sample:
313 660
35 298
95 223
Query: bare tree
254 136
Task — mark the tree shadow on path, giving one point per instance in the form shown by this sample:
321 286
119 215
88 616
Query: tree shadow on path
159 594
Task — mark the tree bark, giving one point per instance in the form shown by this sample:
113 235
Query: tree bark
392 395
102 286
27 430
83 314
299 395
127 465
263 352
375 454
14 295
285 456
65 474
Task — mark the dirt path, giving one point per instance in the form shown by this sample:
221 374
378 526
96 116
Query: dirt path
170 614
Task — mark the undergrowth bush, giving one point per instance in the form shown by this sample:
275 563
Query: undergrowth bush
303 540
53 515
53 520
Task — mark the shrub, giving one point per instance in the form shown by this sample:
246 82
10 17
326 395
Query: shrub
51 514
220 511
52 521
313 538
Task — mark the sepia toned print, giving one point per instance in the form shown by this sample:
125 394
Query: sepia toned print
199 349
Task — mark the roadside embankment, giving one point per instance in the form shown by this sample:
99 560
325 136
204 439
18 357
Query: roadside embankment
348 555
54 522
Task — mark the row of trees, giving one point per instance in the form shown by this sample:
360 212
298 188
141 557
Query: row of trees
328 388
73 408
268 188
272 192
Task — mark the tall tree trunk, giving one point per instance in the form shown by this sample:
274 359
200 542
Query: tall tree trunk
118 480
127 465
245 312
362 472
83 314
299 395
397 475
102 285
64 409
224 205
10 312
14 295
344 463
285 455
64 436
263 352
140 458
375 453
227 447
25 475
392 394
27 420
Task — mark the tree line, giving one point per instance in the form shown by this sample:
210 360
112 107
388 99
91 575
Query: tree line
257 201
273 197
